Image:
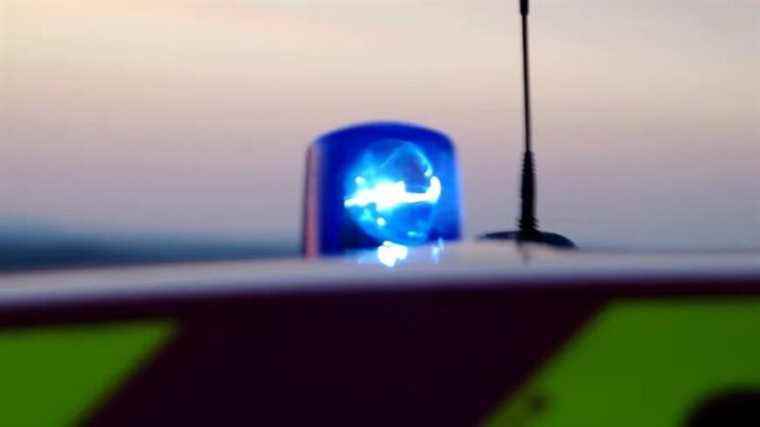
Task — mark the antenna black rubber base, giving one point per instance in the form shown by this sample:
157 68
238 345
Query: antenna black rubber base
551 239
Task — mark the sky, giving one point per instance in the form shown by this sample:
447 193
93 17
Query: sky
193 116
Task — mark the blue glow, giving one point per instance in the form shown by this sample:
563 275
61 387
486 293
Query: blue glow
389 254
436 251
393 192
378 182
394 255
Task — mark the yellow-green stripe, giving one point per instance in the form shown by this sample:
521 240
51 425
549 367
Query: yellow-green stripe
643 363
53 376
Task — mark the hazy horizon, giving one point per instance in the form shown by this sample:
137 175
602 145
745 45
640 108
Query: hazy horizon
193 116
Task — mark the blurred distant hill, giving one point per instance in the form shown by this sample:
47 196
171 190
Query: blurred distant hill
30 245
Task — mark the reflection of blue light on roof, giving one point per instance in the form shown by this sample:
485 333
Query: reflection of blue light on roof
436 250
389 254
392 193
394 255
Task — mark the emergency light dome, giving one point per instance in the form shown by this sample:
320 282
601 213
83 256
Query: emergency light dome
380 183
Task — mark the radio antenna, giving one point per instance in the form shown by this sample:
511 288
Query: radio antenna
528 186
528 225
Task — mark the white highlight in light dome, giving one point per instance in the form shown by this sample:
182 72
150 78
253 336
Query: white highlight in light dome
388 195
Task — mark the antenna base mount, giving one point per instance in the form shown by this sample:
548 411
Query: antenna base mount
534 236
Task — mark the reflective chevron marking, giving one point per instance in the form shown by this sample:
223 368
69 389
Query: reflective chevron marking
643 363
52 376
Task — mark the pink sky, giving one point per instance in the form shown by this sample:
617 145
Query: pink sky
194 115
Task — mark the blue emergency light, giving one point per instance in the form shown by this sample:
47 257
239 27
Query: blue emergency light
380 184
